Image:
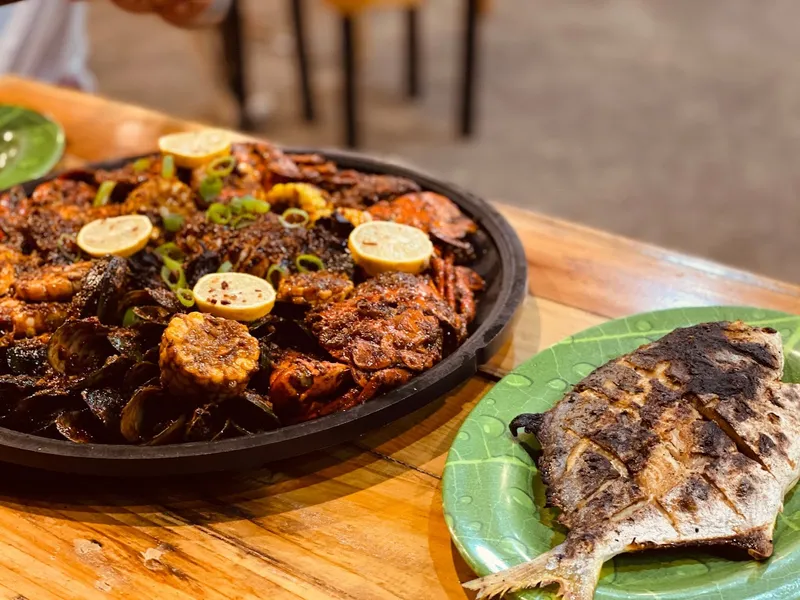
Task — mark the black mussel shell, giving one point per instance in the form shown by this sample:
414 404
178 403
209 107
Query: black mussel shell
205 423
106 405
139 375
172 432
252 411
135 342
80 426
155 315
207 262
38 411
26 357
152 416
79 347
113 370
102 290
231 430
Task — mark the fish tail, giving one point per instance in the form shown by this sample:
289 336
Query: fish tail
575 572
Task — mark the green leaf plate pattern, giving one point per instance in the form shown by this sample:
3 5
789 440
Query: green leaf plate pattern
494 498
30 145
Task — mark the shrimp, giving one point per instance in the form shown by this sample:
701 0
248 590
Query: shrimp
53 283
29 320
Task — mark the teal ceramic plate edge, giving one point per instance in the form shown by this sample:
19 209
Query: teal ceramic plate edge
36 141
494 499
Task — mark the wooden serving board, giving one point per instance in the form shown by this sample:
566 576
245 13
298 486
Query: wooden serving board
361 521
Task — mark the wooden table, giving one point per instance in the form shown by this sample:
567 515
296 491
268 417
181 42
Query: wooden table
360 521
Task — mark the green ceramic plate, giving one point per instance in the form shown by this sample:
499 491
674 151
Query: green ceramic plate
494 497
30 145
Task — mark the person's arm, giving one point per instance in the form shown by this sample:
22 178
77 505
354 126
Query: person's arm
182 13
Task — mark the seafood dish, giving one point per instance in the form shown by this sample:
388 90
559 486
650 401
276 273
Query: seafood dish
692 440
217 289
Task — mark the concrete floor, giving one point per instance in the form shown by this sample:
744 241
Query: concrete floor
673 122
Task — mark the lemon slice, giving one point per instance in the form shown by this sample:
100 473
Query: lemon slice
195 148
380 246
236 296
120 236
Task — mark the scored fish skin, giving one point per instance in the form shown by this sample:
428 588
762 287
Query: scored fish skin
690 440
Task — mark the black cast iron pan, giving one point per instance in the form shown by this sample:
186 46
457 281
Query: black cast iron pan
501 262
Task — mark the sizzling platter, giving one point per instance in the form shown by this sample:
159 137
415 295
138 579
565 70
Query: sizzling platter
284 217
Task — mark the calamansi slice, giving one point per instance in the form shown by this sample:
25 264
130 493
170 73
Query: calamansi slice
236 296
195 148
380 246
120 236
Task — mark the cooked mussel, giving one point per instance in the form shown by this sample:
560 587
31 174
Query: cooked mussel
102 290
106 405
79 347
26 356
79 426
152 417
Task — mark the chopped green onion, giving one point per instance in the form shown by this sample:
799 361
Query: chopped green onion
170 250
141 165
305 261
104 193
221 166
168 275
294 213
210 188
254 205
130 318
185 296
243 221
168 167
225 267
281 271
237 205
173 222
219 213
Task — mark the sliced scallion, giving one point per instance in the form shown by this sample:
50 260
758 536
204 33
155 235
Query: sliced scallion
242 221
281 272
168 167
294 217
221 166
130 318
174 278
141 165
210 188
185 297
104 193
219 213
308 262
225 267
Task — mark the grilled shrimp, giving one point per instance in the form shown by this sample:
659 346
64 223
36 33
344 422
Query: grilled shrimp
52 284
314 288
10 262
29 320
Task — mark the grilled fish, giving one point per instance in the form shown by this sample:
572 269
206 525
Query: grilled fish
691 440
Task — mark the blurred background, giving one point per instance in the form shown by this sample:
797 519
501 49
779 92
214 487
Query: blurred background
676 122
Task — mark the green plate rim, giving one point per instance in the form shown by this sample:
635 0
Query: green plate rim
485 555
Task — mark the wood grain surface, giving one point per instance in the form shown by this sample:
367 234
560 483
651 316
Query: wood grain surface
360 521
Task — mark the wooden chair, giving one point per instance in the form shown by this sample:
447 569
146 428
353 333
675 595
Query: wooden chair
349 11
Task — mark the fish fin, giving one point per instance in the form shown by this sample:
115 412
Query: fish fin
530 422
575 572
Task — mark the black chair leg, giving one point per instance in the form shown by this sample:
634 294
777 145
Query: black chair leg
298 23
233 49
412 52
349 83
470 68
